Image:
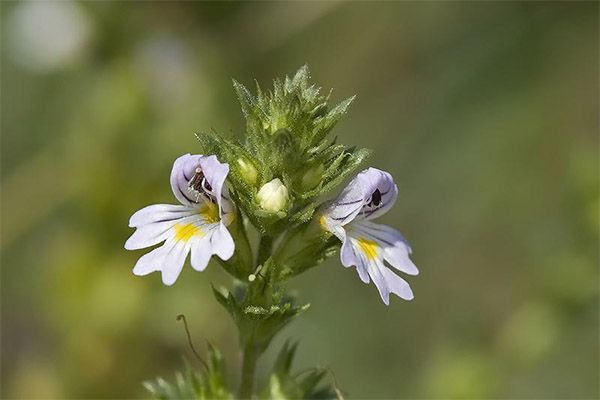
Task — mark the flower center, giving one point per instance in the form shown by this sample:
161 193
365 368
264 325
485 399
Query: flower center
369 247
199 185
375 199
210 212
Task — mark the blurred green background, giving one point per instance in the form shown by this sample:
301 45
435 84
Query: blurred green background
485 113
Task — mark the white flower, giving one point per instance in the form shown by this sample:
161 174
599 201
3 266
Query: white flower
367 245
198 224
273 196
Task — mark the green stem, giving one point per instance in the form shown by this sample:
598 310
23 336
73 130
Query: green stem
251 350
264 249
251 354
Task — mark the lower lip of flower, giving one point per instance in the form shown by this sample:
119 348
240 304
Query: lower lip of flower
369 247
184 232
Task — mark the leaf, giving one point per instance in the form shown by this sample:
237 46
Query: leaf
192 384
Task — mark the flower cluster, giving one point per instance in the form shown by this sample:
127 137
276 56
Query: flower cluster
270 184
199 224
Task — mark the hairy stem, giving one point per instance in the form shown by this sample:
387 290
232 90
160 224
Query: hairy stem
264 249
251 354
251 350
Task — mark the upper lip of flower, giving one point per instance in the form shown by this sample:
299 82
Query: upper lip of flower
185 178
356 200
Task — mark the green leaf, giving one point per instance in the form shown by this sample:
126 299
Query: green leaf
258 323
284 384
192 384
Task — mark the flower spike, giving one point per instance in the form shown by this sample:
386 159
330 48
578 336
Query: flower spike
198 224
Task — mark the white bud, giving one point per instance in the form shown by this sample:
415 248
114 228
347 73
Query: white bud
273 196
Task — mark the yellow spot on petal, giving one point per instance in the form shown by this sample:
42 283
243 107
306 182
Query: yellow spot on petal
184 232
369 247
323 222
210 212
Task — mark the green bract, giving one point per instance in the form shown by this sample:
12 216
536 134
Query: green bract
287 138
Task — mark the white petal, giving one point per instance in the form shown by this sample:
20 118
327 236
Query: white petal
149 235
152 261
222 243
388 282
396 249
396 284
173 263
348 255
368 257
217 240
154 233
201 252
157 213
169 259
333 226
376 272
363 273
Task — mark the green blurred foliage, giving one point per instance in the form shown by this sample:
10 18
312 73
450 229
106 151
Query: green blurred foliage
485 113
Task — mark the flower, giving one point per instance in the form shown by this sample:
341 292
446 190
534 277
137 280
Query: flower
198 224
273 196
367 245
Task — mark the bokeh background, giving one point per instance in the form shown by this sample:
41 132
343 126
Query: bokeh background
485 113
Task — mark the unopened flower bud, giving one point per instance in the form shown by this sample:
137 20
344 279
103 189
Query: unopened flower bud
273 196
312 177
247 171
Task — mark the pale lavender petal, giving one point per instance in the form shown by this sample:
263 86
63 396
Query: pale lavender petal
388 190
349 203
215 173
354 200
183 170
158 213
